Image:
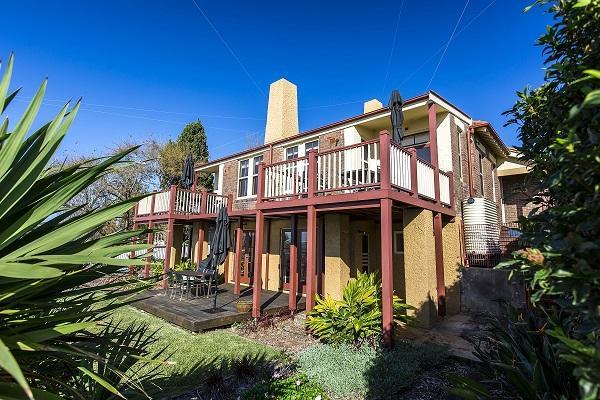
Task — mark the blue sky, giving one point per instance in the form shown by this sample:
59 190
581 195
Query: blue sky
145 68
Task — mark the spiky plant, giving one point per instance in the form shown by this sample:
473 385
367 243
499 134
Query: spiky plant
51 258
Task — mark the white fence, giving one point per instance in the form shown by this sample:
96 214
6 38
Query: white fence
400 168
187 202
214 202
425 181
351 167
444 188
286 178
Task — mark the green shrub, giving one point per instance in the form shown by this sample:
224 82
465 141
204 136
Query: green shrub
294 388
357 317
344 370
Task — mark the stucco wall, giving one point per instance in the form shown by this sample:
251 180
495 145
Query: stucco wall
337 254
452 264
419 264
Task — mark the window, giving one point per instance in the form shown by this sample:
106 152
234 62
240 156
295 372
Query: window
248 178
257 161
398 242
291 152
420 142
481 173
364 254
459 134
314 145
243 178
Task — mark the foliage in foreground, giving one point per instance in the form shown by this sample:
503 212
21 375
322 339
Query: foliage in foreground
296 387
52 262
558 354
344 370
357 317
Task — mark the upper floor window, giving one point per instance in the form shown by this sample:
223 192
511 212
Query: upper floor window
314 145
481 172
257 160
248 178
291 152
420 142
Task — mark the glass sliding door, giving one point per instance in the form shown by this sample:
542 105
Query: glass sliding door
286 240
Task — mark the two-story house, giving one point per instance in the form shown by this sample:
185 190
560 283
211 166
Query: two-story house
311 209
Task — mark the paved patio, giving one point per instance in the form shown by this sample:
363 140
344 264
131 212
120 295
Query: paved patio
198 314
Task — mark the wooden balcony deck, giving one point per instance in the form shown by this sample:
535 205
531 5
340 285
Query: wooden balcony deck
366 171
197 314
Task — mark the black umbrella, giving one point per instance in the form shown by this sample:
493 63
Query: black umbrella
187 178
219 247
396 116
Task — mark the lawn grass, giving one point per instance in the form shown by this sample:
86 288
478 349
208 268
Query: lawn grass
195 357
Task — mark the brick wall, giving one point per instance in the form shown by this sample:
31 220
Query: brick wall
331 140
516 194
461 186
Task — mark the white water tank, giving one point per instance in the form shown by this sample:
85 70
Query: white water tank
480 219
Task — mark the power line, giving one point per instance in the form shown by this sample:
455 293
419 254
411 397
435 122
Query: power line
229 48
389 63
447 44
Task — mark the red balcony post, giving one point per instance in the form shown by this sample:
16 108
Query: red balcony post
260 192
229 202
451 188
439 263
433 148
258 253
384 158
414 187
311 256
150 240
201 236
168 246
293 282
387 272
312 173
203 201
172 199
237 260
152 203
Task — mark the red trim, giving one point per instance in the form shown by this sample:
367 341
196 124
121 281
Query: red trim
258 252
150 241
311 256
384 157
201 234
433 148
387 272
439 264
168 246
238 257
293 279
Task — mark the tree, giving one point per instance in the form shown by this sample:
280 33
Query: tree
53 268
193 140
559 126
171 160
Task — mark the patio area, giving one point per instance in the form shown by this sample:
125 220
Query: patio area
197 314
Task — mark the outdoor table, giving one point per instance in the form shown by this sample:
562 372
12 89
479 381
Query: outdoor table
189 275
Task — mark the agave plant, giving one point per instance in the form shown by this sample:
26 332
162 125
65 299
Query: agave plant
355 318
51 258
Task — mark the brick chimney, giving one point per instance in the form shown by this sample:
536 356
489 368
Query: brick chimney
282 113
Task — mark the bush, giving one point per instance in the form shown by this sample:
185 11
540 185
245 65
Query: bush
357 317
344 370
294 388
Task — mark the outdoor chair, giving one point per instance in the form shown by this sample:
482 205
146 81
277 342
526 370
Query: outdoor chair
178 285
206 281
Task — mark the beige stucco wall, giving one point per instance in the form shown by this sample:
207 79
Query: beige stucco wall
452 262
337 254
176 246
419 264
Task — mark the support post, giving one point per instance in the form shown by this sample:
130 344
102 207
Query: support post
203 201
229 203
293 282
451 189
149 240
260 192
387 272
433 148
439 263
237 268
168 246
312 173
311 256
258 253
172 199
384 158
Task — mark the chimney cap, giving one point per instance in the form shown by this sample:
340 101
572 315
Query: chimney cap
372 105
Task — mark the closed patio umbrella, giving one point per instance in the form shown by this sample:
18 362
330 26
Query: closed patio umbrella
219 247
396 116
187 178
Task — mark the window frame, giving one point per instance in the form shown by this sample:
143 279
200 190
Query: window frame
395 242
297 152
249 177
481 182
